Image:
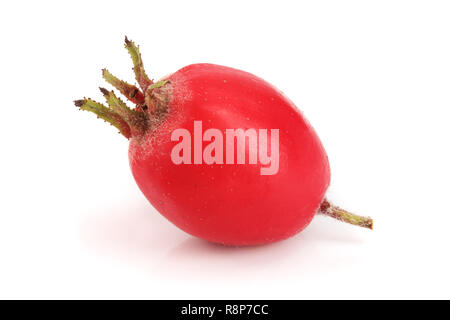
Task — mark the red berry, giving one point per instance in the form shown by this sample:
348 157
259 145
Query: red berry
221 153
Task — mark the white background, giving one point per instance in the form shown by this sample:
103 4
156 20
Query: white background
373 77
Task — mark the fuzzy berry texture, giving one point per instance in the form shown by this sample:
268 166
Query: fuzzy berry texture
238 203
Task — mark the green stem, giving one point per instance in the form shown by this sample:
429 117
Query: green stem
333 211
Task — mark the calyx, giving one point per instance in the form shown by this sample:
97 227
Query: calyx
150 98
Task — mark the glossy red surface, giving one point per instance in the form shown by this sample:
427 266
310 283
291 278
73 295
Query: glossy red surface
232 204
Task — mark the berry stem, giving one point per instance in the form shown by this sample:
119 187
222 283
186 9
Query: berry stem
333 211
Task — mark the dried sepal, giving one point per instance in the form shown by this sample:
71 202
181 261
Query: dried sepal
139 71
131 92
158 84
136 120
106 114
